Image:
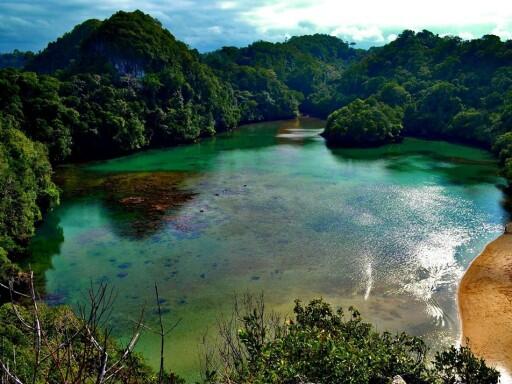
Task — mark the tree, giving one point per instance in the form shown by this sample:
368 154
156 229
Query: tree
394 94
472 125
363 123
26 188
433 111
34 102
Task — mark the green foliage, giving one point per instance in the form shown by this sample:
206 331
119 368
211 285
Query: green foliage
132 42
364 123
274 78
260 95
26 189
33 101
15 59
472 125
322 345
59 324
111 118
434 109
503 147
459 365
394 94
8 270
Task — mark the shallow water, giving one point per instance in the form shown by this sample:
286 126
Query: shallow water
270 208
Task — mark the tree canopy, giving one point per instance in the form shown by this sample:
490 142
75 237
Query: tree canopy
364 123
321 344
26 188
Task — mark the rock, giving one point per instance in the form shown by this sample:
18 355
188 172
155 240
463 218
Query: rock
398 380
508 228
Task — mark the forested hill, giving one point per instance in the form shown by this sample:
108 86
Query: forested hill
421 84
116 86
282 74
439 87
105 89
63 52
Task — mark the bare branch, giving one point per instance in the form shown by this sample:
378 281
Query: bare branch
10 289
37 329
11 375
162 337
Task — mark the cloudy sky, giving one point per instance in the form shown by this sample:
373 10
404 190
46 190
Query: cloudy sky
210 24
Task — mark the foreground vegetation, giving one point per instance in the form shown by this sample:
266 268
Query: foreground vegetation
319 345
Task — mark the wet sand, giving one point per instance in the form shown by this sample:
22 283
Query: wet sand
485 304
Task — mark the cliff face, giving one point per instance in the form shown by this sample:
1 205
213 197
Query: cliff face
100 55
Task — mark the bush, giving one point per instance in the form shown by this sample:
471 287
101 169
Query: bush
321 345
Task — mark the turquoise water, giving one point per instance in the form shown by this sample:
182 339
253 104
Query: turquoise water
270 208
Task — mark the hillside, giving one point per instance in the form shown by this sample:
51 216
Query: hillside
126 43
444 87
132 43
132 84
63 52
15 59
288 72
104 89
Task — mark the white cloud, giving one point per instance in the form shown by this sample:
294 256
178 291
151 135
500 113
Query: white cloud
227 4
215 29
466 35
391 13
359 33
366 20
503 30
209 24
391 37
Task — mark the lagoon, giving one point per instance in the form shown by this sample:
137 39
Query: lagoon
270 208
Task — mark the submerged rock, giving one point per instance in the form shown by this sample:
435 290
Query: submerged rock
508 228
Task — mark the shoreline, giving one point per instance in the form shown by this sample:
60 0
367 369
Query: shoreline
484 299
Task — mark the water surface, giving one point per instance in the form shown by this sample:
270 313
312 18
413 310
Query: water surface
270 208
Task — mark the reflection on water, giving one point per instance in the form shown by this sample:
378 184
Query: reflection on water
138 204
269 207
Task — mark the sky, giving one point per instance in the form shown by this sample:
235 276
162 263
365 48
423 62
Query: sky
209 24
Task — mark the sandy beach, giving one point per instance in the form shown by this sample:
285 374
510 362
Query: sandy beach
485 303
